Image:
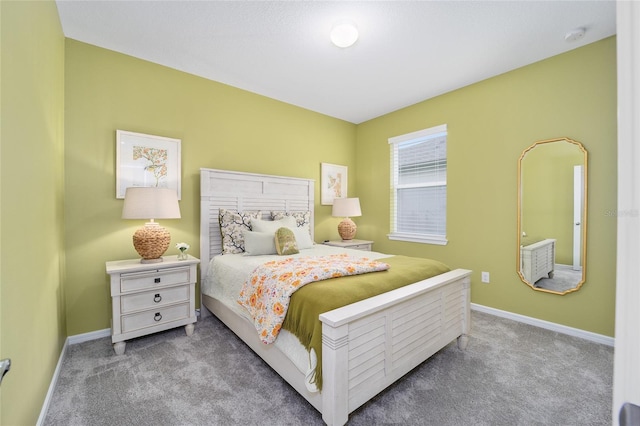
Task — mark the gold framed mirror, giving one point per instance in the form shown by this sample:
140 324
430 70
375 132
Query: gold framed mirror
552 216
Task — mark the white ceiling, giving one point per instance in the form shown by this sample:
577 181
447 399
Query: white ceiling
408 51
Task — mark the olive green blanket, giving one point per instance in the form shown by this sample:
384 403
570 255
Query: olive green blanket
315 298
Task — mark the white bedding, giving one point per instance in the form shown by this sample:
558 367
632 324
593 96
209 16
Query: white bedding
227 273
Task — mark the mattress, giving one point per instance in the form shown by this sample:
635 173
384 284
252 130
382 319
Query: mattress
226 275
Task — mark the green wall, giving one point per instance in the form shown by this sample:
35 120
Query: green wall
32 313
220 127
489 124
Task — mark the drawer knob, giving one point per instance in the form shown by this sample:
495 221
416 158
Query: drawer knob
157 317
156 280
157 298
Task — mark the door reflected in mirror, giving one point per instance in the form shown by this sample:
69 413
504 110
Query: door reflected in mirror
552 215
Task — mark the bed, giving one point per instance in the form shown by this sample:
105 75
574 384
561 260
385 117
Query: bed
538 260
367 345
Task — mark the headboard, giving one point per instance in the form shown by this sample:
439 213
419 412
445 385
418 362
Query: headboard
245 191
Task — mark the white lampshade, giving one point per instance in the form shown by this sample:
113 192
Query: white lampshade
150 203
152 240
346 207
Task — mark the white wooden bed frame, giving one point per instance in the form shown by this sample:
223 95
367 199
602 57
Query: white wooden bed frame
538 260
366 346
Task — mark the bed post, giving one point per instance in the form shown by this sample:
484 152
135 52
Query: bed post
335 362
205 219
463 339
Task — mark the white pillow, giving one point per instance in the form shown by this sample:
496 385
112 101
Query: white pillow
259 243
271 226
303 236
302 233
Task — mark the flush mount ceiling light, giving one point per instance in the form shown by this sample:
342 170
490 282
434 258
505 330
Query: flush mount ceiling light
344 33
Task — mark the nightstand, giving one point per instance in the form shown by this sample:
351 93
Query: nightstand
151 297
352 244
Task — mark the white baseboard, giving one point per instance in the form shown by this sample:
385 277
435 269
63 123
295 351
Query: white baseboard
71 340
92 335
576 332
52 385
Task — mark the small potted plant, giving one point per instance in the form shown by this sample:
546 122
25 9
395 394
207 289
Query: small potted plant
183 247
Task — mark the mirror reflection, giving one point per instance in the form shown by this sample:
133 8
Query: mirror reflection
552 213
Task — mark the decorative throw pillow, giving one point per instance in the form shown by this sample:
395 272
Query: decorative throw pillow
286 242
258 243
302 229
302 218
271 226
232 223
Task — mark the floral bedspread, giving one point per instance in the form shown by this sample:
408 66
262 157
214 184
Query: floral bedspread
267 293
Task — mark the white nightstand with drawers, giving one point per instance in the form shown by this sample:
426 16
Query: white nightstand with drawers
151 297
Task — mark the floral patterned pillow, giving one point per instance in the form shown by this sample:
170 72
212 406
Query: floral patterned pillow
302 218
232 223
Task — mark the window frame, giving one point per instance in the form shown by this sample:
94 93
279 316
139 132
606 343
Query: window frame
395 142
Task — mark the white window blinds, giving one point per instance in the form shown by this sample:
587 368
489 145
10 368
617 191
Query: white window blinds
419 186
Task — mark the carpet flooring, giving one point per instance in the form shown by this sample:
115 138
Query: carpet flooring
563 279
510 374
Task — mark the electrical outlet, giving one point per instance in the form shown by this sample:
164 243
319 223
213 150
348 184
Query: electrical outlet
485 277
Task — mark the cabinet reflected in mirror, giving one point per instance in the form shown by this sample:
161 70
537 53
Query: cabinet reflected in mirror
552 215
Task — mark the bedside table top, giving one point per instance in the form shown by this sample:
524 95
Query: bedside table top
128 265
347 243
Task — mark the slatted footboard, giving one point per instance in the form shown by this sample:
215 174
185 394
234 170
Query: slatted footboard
369 345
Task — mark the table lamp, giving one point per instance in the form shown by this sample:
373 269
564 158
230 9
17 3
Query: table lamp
152 240
346 207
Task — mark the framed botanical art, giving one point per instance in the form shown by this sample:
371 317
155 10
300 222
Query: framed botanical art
334 183
146 160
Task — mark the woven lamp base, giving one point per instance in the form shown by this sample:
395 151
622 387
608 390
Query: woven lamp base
151 242
347 229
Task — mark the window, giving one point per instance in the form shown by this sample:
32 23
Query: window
419 186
